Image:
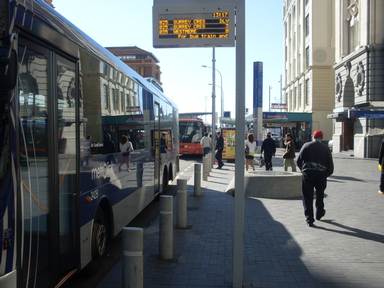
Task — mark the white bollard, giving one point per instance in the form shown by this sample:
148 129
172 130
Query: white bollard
132 257
166 227
181 221
197 180
205 168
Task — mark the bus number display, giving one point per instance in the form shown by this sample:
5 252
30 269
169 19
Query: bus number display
214 25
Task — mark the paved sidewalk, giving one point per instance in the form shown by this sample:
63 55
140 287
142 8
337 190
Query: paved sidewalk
345 249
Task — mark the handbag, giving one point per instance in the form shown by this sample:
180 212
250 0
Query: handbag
262 161
246 150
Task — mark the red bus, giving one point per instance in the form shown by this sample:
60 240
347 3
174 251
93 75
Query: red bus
190 133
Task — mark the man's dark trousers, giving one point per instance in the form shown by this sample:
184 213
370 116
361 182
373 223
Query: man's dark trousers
311 180
268 160
219 156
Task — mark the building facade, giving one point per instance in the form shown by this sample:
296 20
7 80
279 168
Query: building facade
309 54
143 62
359 76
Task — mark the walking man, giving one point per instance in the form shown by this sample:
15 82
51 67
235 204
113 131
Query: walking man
219 150
316 164
269 148
289 155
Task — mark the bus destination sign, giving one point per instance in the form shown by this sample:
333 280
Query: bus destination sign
207 26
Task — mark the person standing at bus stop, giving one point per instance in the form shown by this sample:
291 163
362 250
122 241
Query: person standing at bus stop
206 143
219 150
289 154
381 162
109 149
125 148
268 146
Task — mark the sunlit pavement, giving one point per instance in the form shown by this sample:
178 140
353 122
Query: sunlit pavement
344 249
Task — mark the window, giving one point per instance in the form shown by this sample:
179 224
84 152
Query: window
307 91
307 25
105 95
300 100
114 99
127 102
307 57
104 69
122 101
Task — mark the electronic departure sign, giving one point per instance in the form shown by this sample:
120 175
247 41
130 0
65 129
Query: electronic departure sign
194 26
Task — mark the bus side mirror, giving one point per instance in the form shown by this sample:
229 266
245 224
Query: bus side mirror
8 69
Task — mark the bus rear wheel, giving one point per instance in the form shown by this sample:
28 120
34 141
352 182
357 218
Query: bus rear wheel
99 242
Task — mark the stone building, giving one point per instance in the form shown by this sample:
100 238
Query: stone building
309 54
359 88
143 62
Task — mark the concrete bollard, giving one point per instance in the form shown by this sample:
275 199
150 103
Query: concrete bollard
166 227
139 174
132 257
197 180
208 156
181 221
205 168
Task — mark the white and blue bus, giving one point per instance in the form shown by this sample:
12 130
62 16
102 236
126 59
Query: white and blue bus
62 195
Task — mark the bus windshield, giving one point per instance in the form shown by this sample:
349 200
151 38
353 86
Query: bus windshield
190 132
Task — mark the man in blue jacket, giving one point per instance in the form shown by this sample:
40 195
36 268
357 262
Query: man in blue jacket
316 164
269 148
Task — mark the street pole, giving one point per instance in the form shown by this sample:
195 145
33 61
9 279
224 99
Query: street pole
281 91
238 241
205 116
221 87
269 109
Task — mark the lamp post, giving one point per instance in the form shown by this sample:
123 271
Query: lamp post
222 96
205 116
269 108
221 87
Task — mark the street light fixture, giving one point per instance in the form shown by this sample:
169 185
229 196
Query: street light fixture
221 87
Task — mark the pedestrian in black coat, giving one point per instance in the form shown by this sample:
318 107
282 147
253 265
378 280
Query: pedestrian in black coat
268 146
316 164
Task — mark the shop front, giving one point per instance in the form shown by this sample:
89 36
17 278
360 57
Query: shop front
281 123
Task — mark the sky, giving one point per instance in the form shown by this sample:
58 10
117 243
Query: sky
117 23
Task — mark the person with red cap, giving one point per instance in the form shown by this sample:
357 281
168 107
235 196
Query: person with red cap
316 164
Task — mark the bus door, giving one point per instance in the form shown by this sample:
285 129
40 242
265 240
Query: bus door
47 201
157 146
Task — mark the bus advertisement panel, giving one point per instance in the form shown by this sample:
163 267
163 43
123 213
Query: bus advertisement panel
229 149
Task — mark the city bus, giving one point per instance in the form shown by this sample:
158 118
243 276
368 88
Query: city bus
63 98
191 131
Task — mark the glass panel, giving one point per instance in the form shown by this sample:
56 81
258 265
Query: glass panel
66 132
33 100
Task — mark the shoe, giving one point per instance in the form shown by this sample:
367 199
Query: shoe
128 170
319 217
271 169
381 192
219 167
310 224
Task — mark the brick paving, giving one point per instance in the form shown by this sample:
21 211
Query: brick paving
344 249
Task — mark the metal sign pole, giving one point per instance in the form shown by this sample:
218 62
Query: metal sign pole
239 157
